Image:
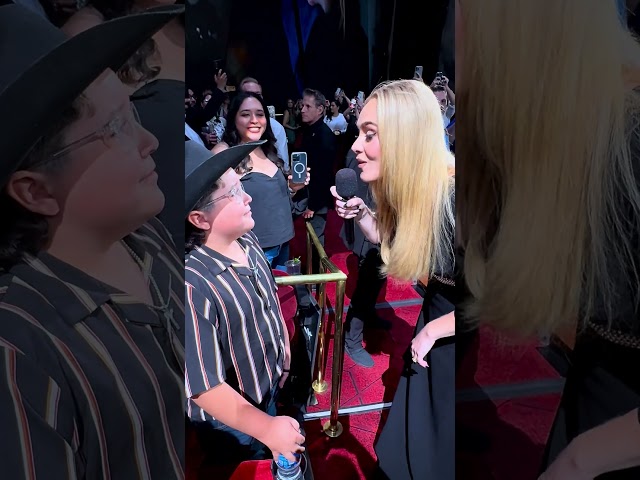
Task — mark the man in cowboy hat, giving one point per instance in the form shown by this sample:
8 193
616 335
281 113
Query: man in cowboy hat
237 346
91 307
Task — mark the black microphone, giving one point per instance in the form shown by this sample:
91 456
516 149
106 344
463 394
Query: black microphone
347 188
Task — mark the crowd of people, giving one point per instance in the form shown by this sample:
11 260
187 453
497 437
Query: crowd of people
127 296
241 225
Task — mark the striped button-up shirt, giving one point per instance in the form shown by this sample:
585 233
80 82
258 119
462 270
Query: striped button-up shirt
234 329
91 380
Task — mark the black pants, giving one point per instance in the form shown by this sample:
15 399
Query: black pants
365 296
318 223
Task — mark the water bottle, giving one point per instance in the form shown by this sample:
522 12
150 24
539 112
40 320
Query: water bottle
286 470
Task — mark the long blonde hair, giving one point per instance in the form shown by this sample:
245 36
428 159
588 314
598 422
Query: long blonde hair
545 141
413 193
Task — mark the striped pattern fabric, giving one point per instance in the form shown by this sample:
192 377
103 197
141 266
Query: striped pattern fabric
234 327
91 380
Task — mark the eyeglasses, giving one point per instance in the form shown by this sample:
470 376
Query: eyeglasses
120 132
236 193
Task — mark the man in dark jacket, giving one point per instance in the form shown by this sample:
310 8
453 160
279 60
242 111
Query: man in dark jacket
321 146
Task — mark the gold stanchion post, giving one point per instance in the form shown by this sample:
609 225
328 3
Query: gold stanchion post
333 428
320 384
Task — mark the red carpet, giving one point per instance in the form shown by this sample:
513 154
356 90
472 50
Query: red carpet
351 455
363 386
502 361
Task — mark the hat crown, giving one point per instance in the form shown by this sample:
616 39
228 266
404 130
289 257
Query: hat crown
25 38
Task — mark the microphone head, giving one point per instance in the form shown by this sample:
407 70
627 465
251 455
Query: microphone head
347 183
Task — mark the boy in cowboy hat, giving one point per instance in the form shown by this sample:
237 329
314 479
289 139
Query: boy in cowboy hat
237 345
90 349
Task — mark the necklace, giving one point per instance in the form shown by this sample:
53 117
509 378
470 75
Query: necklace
253 267
167 312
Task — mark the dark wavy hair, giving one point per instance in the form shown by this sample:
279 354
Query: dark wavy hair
136 69
194 236
232 137
25 232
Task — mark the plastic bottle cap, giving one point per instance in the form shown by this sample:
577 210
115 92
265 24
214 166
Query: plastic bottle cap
284 463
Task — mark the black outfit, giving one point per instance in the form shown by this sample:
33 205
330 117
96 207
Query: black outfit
603 382
370 282
197 116
161 109
271 208
418 440
321 146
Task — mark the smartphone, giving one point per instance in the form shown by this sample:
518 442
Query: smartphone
361 96
299 167
338 92
418 72
217 65
272 111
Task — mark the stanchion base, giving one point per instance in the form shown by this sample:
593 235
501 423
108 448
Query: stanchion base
332 432
320 387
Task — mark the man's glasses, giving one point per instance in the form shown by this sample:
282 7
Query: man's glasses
236 193
119 132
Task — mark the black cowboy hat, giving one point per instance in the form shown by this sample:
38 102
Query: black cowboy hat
202 169
38 58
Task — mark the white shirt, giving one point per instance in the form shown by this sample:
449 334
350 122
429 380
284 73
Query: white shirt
337 123
191 133
281 142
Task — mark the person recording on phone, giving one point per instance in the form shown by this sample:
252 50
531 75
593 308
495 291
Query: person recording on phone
251 85
198 115
320 145
263 176
414 225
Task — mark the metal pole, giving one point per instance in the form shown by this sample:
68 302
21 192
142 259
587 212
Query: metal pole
333 428
320 384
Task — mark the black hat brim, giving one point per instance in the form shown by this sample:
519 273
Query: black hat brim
60 76
203 169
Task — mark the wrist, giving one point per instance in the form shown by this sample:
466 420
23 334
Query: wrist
364 212
428 333
583 459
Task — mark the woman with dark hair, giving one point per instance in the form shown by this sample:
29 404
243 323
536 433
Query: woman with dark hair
154 75
290 122
334 119
263 176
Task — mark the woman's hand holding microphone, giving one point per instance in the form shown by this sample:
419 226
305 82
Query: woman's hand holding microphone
348 209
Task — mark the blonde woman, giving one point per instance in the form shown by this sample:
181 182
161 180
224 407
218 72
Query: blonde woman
550 206
402 154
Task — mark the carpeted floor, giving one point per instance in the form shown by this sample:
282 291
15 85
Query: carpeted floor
509 393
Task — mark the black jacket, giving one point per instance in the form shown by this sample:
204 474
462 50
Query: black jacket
321 146
360 244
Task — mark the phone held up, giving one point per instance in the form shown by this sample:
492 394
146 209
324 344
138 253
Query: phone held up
418 72
299 167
